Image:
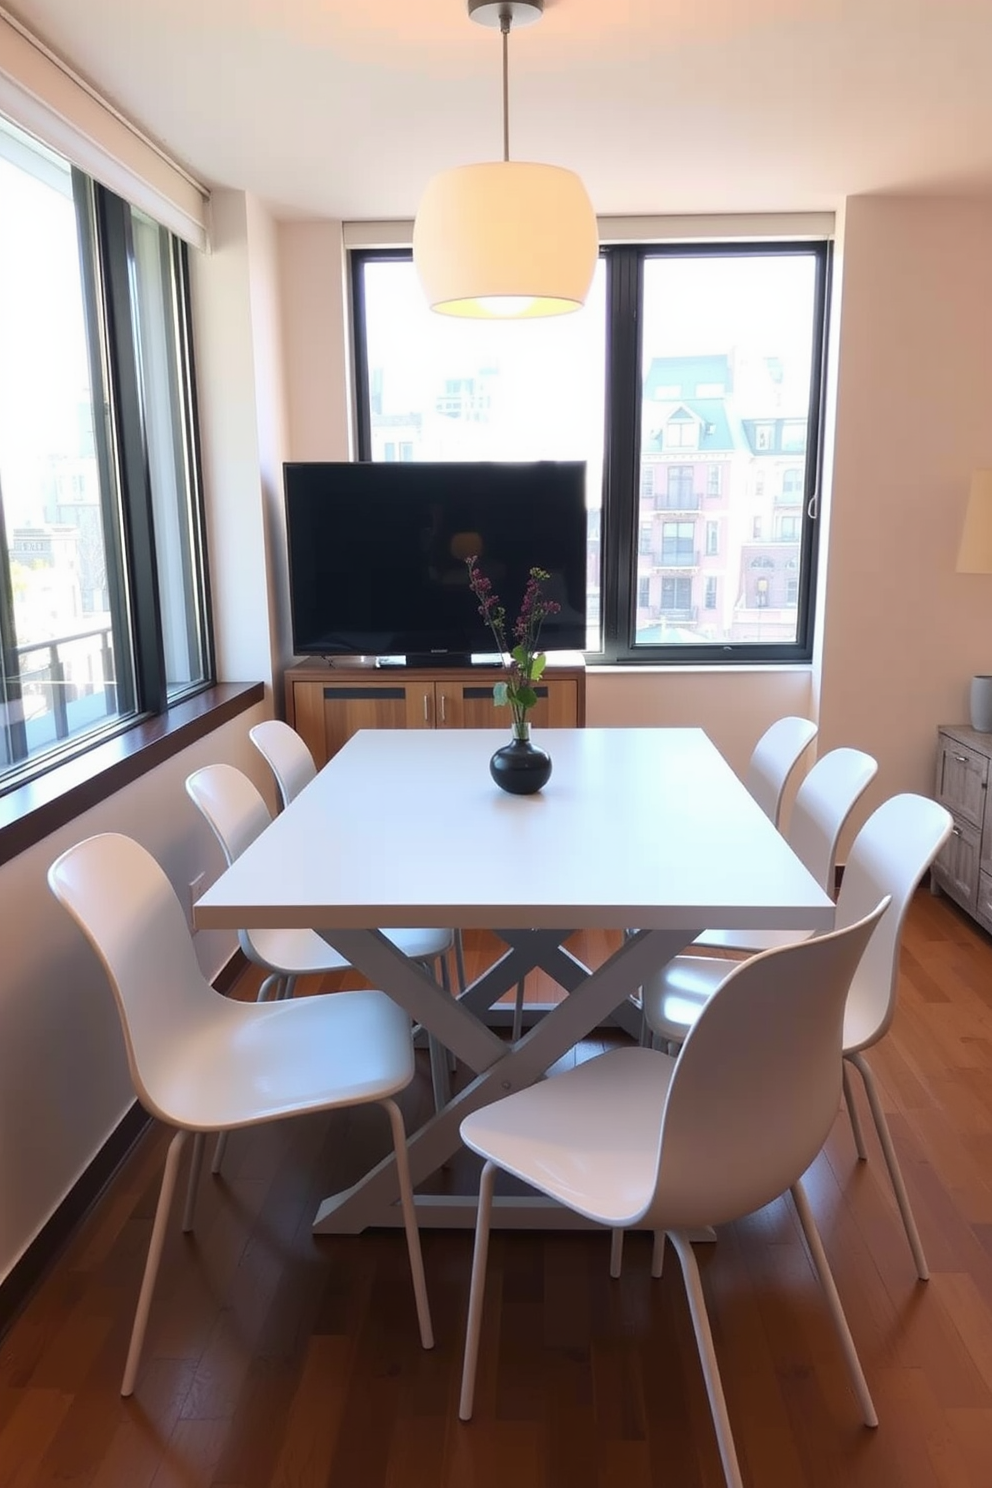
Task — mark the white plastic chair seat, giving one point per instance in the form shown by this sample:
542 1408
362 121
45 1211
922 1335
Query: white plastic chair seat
306 952
748 942
257 1061
588 1137
674 998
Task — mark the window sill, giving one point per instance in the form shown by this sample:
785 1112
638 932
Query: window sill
32 811
707 669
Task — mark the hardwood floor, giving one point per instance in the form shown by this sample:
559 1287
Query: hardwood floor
274 1358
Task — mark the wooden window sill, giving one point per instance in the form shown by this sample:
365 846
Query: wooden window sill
32 811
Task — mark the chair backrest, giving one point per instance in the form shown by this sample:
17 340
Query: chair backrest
288 756
773 760
890 855
823 803
756 1086
231 804
128 910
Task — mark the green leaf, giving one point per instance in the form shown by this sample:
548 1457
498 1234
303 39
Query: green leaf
501 694
526 697
540 662
519 654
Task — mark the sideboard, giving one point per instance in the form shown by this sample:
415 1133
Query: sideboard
328 702
964 868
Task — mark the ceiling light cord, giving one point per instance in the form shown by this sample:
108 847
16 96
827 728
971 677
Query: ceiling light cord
505 17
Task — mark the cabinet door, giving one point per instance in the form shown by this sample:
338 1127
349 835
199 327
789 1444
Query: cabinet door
962 775
328 713
470 705
956 868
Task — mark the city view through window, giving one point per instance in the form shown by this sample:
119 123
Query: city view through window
58 642
727 351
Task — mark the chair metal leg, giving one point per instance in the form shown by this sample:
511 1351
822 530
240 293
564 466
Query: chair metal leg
288 988
152 1261
658 1253
707 1358
836 1310
219 1151
892 1163
477 1291
518 1011
410 1223
273 980
195 1165
616 1253
460 960
853 1117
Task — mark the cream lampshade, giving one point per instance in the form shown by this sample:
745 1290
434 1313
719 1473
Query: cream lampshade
506 239
975 556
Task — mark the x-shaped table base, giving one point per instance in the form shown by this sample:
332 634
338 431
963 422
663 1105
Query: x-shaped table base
499 1067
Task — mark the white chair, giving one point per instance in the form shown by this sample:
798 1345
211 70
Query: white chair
773 759
289 758
237 813
890 855
636 1137
823 804
203 1063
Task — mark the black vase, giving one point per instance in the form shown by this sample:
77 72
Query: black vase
520 767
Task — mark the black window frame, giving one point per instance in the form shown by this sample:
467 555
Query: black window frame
622 477
107 265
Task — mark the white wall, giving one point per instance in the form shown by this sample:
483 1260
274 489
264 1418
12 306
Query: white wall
64 1084
902 632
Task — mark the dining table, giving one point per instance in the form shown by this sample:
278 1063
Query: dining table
647 832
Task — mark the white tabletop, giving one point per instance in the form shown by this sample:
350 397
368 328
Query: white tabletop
642 827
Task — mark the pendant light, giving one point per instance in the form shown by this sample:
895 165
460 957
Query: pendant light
506 239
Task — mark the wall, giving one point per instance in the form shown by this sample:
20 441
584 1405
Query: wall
902 632
63 1078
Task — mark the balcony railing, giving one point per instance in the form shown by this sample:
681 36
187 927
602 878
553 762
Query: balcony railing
675 615
57 694
691 501
671 556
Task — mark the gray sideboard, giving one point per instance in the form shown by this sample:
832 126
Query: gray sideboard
964 868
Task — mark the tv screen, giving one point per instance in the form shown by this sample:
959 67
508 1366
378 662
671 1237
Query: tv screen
377 553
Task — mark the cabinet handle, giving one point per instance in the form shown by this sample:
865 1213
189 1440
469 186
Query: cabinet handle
955 831
962 759
427 708
444 717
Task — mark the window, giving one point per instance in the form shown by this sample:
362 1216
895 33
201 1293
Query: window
677 539
679 486
102 593
710 352
676 596
644 542
681 432
710 599
788 529
792 482
643 593
792 591
712 539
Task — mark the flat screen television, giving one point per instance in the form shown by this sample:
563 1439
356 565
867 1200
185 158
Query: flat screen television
377 554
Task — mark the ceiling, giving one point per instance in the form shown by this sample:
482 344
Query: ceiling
344 108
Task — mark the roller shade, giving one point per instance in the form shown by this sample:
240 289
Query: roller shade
42 95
